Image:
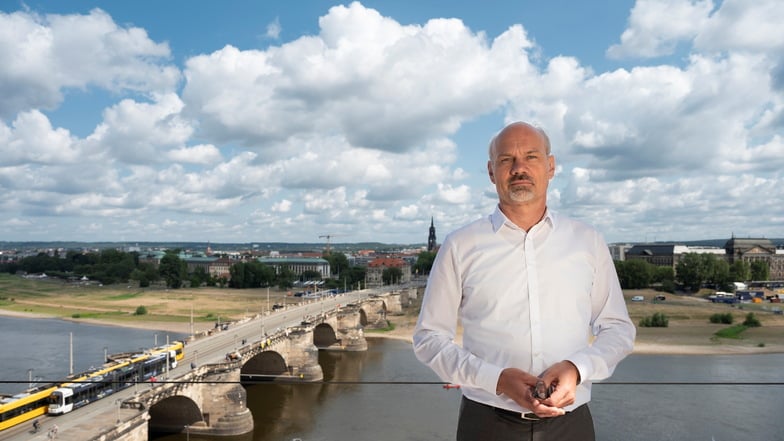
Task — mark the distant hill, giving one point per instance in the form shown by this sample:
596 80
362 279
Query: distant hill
285 247
216 247
779 243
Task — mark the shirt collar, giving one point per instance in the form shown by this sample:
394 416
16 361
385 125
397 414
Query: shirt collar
498 219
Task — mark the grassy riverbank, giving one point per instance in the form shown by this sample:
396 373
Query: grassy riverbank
689 330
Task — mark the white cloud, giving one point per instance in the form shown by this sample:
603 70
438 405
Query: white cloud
285 142
274 29
414 84
198 154
45 54
656 27
283 206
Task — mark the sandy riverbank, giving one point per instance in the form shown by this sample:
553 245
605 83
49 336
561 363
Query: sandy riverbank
679 345
404 328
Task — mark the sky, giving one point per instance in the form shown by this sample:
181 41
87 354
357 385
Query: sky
280 121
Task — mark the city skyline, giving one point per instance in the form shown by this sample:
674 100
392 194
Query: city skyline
269 122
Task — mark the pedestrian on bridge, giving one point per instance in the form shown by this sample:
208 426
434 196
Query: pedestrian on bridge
542 312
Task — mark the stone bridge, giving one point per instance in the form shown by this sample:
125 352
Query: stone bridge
211 400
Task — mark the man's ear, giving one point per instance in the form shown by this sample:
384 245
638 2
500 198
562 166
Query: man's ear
490 171
551 171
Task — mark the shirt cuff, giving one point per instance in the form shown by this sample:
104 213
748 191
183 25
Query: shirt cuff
487 377
583 365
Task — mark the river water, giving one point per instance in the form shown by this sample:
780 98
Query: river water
43 345
385 395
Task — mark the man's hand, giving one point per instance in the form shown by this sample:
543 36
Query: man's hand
564 376
517 385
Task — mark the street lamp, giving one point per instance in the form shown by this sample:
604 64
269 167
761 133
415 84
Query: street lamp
119 404
187 433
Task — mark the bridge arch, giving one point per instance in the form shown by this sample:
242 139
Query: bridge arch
363 319
324 336
373 313
174 414
264 365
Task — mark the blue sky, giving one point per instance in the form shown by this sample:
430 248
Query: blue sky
262 121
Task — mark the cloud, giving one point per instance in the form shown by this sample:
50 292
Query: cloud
274 29
199 154
45 54
283 206
656 27
414 84
299 137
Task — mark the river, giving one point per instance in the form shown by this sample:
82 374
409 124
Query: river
385 395
40 348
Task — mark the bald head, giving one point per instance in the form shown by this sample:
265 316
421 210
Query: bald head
518 126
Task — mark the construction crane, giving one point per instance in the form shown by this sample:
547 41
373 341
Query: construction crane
328 237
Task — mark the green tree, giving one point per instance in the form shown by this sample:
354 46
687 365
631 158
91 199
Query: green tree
719 273
199 277
760 270
338 263
392 275
285 278
690 271
310 275
740 271
424 262
634 273
173 269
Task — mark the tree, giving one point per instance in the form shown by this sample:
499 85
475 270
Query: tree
285 278
690 271
309 275
338 262
424 262
173 270
199 277
634 273
720 273
740 271
760 270
391 275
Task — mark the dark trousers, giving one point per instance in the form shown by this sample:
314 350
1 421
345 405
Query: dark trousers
480 422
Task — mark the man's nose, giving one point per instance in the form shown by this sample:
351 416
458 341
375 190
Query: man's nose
518 168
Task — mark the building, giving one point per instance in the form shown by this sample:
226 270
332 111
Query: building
756 250
657 254
221 268
376 267
747 250
618 251
298 265
431 238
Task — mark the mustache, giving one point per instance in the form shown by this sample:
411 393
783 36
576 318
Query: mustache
521 177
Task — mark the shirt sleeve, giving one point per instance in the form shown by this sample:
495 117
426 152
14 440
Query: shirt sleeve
434 335
611 326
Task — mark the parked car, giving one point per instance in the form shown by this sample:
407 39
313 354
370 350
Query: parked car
659 298
638 299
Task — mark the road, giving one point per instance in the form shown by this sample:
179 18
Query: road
90 420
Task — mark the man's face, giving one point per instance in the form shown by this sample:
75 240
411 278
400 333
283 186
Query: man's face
520 167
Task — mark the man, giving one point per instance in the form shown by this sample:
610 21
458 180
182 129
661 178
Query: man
539 302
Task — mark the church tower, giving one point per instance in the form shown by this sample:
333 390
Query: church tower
431 238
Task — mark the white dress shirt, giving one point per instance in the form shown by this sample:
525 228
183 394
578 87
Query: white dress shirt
525 300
